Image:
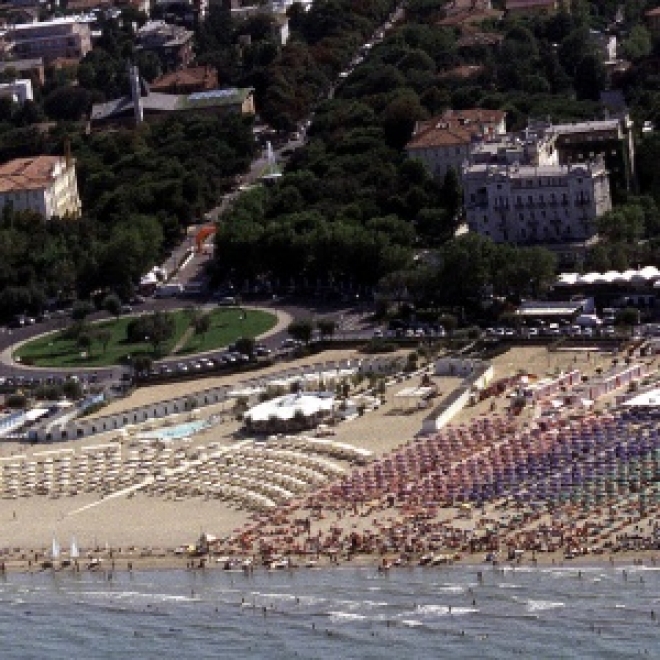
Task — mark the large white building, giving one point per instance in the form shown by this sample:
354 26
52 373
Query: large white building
45 184
536 204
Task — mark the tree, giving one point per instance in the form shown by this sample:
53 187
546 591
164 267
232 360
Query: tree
452 192
590 77
202 324
67 103
622 224
81 310
71 389
156 328
400 116
245 345
84 341
104 337
449 322
16 401
301 330
326 327
638 44
161 327
627 317
142 364
199 320
112 304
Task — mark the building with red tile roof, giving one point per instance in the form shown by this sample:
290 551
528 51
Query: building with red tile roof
45 184
445 142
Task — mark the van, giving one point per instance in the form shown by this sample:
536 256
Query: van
170 290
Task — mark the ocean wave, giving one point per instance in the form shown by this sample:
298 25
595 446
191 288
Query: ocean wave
359 604
344 617
451 589
125 595
540 605
444 610
411 623
276 596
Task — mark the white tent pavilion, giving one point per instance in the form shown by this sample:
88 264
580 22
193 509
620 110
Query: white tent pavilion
281 411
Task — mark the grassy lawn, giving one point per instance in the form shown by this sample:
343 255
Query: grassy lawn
227 327
56 351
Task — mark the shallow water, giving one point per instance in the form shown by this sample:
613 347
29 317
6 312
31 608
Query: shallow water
341 613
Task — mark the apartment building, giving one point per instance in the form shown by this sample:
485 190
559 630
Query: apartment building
172 43
45 184
536 204
62 37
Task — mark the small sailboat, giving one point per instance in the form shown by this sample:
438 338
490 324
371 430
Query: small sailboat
74 553
55 550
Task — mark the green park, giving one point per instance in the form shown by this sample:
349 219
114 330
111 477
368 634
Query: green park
153 336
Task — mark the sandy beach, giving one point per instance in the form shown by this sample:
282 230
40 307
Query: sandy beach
153 524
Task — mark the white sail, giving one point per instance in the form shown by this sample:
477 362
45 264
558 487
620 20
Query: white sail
55 552
74 553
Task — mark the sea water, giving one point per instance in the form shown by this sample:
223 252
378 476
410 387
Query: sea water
585 612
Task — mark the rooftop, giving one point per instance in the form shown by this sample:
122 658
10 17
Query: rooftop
454 127
33 63
439 135
159 102
549 308
28 173
644 275
197 75
531 171
587 126
64 20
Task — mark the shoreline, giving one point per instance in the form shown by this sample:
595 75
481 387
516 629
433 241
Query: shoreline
101 563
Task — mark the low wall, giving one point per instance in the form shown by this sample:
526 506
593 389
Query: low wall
476 374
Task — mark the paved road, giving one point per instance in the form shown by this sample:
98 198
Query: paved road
348 323
348 326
